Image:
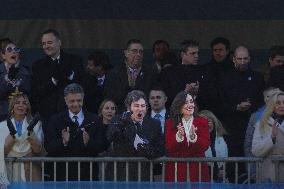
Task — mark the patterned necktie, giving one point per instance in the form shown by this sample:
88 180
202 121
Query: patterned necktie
76 120
19 127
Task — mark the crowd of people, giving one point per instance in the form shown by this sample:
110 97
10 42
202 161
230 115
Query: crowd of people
174 107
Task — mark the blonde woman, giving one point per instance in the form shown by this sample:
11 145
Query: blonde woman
268 138
21 140
218 146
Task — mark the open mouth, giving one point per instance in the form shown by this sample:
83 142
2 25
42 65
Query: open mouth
139 115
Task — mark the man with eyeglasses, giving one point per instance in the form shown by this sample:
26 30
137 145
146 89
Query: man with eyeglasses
131 75
190 76
241 94
52 74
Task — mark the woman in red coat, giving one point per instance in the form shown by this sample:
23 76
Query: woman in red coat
186 136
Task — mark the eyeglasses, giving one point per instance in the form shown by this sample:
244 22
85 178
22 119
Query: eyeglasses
136 51
11 49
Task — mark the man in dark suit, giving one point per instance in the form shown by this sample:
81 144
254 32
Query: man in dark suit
95 77
133 134
51 74
157 101
131 75
192 77
241 94
75 133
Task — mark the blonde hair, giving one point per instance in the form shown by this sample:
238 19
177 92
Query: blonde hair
12 103
269 110
220 130
103 104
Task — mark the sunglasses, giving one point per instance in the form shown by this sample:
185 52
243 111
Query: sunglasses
11 49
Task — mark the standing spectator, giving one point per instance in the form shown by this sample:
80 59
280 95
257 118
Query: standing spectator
186 136
134 134
241 90
130 75
74 133
107 111
192 77
95 78
13 75
52 74
218 147
20 141
268 139
160 49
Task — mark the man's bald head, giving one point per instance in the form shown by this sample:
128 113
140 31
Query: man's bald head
241 58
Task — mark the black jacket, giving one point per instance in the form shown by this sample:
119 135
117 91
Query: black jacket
75 148
47 98
122 135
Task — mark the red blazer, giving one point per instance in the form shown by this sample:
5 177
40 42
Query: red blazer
182 149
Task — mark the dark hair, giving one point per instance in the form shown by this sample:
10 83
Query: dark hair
276 50
4 42
72 89
53 31
134 96
160 41
176 106
188 43
132 41
170 58
100 58
222 40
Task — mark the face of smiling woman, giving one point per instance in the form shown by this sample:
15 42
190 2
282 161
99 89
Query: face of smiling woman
187 109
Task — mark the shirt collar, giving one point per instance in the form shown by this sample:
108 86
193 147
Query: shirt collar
57 58
79 115
162 113
103 77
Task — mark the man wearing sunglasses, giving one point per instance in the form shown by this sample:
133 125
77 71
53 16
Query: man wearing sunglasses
52 74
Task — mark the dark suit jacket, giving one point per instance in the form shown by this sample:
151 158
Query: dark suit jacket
117 86
75 147
122 136
47 98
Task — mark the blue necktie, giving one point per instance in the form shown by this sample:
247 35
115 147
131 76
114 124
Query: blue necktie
76 120
19 127
159 117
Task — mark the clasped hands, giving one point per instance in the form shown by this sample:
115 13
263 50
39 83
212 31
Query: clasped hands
181 132
65 133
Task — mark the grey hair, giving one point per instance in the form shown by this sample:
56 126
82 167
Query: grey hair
134 96
73 88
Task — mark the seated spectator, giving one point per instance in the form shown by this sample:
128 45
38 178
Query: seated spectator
20 141
186 136
133 134
268 139
13 75
218 147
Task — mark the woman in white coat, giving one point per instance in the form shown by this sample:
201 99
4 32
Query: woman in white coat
268 139
19 141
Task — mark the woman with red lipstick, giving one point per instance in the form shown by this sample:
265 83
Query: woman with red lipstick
12 75
268 139
186 136
19 141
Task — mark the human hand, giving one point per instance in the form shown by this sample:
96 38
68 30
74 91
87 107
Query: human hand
180 131
65 133
86 137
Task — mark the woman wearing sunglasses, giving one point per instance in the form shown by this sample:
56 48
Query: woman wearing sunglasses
13 76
